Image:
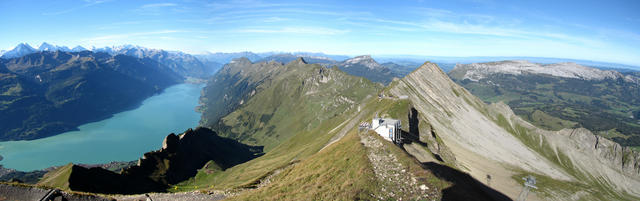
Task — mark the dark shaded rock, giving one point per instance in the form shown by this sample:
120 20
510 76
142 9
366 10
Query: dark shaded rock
181 156
98 180
170 142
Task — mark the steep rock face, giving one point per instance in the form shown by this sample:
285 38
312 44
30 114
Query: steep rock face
39 90
491 140
617 157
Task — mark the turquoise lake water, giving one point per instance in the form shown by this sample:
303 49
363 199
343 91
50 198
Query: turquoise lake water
123 137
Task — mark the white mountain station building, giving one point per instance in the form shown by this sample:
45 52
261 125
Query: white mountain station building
389 129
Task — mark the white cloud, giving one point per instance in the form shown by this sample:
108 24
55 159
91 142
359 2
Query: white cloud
158 5
116 37
88 3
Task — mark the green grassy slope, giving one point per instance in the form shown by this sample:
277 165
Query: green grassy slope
58 178
297 101
339 172
293 114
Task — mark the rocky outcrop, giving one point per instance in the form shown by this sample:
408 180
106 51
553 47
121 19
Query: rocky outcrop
617 157
182 155
622 158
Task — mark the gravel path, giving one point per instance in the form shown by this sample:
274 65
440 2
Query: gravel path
186 196
396 182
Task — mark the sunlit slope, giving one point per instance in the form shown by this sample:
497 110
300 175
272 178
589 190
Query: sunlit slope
294 112
490 140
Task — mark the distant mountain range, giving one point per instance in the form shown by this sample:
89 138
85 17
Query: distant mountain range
208 63
184 64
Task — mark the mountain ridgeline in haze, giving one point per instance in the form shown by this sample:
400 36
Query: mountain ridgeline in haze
362 66
563 95
39 90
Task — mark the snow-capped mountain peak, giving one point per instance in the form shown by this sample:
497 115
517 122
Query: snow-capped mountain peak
47 47
78 49
20 50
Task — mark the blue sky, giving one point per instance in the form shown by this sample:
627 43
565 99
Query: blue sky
592 30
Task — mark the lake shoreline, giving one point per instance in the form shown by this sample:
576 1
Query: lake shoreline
134 132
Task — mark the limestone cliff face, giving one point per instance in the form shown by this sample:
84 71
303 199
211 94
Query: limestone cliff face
616 156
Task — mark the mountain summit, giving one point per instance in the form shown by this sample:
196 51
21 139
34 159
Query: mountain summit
366 66
364 60
20 50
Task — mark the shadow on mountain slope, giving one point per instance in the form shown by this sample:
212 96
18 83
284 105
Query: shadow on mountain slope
464 186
